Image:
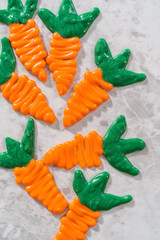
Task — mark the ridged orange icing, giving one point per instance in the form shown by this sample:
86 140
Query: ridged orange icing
61 61
40 185
27 97
82 150
28 46
75 224
87 96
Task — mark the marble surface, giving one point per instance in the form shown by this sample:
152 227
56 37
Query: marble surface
129 24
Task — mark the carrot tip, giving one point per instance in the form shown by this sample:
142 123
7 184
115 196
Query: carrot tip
67 121
48 158
50 118
61 89
60 210
42 75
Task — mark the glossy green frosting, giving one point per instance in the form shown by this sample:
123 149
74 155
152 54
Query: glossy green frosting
7 61
113 68
91 194
17 13
19 154
67 22
116 148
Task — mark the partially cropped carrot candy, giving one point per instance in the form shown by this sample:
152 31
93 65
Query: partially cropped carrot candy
84 210
24 35
85 151
91 91
22 92
33 174
67 27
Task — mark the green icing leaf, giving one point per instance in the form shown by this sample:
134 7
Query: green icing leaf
67 22
17 13
4 16
116 148
7 61
19 154
91 194
28 10
67 7
6 161
12 146
113 68
28 140
15 5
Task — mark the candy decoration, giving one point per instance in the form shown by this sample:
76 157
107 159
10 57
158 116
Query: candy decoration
67 27
19 154
89 93
85 151
76 222
87 96
116 148
34 174
40 185
24 35
61 61
22 92
84 210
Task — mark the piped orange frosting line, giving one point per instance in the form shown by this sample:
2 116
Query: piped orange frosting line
28 46
75 224
84 151
61 61
87 96
40 185
26 97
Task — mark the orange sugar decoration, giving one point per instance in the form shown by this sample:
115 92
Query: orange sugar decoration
28 46
40 185
61 61
76 222
87 96
84 151
26 97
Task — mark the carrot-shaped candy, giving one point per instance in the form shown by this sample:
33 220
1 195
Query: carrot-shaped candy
24 35
34 174
90 92
85 151
67 27
23 93
84 210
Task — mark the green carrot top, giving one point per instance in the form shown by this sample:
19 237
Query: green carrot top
7 61
67 22
113 68
115 148
19 154
17 13
91 194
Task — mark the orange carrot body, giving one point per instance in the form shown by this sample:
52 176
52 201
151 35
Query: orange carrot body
27 97
87 96
82 150
61 61
28 46
40 185
75 224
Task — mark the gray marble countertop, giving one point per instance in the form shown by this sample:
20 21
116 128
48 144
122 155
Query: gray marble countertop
124 24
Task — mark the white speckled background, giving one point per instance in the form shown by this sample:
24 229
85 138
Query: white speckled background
129 24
